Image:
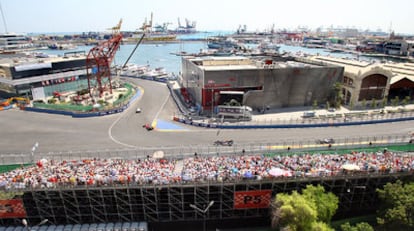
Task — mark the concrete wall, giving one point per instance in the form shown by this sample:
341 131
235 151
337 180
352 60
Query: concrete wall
192 79
284 87
300 86
289 85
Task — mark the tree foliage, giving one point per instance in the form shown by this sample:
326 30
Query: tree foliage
320 226
326 203
398 206
311 210
338 94
294 212
363 226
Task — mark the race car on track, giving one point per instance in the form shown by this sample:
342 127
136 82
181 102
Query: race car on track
223 142
326 141
148 127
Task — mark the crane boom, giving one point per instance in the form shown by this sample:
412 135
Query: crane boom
133 51
99 60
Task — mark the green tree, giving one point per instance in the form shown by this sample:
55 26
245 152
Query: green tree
338 94
326 203
364 104
373 103
320 226
395 101
397 212
310 210
384 102
405 101
363 226
294 212
315 104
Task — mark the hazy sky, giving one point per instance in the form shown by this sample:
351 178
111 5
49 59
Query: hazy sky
97 15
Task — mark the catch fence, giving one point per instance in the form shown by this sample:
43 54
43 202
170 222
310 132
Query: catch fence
340 145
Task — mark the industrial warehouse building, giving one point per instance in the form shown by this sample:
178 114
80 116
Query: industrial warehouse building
258 82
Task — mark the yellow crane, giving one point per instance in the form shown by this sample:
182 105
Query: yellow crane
116 29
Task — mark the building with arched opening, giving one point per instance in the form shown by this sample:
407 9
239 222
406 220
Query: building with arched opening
368 82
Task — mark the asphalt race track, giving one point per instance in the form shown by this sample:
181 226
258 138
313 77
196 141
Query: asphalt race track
20 130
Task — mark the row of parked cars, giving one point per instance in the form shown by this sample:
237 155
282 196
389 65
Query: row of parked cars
118 226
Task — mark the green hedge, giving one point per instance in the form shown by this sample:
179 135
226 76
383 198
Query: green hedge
63 107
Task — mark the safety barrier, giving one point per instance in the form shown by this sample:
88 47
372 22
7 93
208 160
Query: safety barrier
397 117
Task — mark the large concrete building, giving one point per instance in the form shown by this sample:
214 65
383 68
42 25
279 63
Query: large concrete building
257 82
372 81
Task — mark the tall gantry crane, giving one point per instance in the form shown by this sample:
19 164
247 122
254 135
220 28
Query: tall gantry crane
98 62
147 27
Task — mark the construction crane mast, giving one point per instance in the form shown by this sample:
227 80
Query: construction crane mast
98 62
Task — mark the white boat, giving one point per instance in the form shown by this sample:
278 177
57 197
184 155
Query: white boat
135 70
157 74
268 46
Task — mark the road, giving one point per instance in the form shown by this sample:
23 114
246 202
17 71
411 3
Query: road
20 130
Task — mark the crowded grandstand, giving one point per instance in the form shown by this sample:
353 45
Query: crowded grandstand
198 168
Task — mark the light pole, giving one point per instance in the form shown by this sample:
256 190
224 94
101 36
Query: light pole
35 146
203 211
28 227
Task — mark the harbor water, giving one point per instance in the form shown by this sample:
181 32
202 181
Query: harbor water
155 55
164 54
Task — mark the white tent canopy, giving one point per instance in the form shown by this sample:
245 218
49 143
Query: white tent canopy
158 155
350 167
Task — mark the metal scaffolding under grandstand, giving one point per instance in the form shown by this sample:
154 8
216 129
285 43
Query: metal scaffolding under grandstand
157 204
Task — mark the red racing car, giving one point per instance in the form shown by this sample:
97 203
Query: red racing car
148 127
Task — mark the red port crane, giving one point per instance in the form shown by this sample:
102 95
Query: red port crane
98 62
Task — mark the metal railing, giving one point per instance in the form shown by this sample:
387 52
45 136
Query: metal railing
338 119
179 152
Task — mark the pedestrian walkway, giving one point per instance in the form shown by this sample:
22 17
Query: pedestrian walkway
296 113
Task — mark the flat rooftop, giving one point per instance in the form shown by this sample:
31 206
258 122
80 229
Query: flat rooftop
399 70
30 58
212 63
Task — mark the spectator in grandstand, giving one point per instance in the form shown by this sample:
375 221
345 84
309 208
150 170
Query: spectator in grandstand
102 172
